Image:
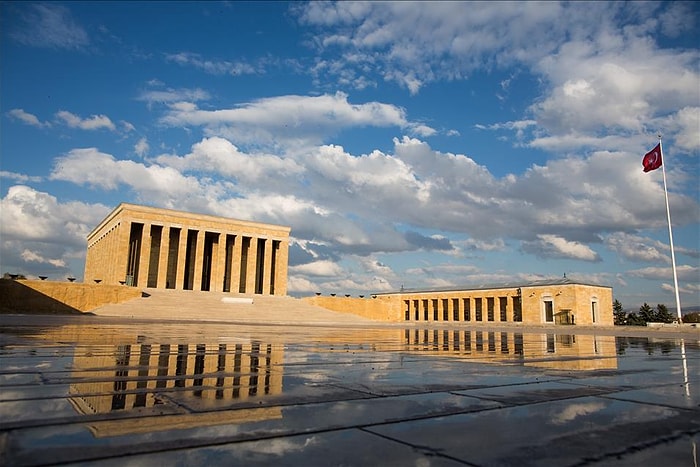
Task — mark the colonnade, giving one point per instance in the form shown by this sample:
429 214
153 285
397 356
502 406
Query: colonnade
148 247
471 308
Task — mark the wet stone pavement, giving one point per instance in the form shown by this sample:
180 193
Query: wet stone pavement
95 391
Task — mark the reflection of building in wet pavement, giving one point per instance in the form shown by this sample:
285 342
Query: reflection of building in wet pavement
139 375
556 351
154 393
126 376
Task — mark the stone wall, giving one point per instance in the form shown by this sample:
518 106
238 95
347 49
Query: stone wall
379 308
32 296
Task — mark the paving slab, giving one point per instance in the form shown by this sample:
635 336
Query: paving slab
570 432
108 390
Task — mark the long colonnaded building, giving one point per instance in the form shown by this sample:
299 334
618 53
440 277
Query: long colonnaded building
143 246
556 301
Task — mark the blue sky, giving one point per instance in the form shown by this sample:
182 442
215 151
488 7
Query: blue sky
406 144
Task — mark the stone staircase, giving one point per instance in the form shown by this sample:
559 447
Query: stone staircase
190 305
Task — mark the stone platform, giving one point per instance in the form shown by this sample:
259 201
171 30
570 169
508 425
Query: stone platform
307 388
189 305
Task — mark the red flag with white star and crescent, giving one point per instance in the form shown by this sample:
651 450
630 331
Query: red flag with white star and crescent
652 160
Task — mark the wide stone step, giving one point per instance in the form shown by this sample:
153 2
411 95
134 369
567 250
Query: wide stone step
218 306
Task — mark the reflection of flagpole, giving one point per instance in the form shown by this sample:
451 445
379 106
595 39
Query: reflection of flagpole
686 384
686 381
670 236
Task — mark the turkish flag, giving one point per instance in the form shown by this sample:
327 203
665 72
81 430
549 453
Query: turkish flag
652 160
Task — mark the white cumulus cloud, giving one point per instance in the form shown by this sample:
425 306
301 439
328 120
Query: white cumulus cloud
94 122
26 117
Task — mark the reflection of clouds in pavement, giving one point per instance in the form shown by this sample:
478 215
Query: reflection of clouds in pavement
363 371
38 366
282 446
316 377
257 450
17 378
645 412
32 409
576 410
334 363
44 399
253 452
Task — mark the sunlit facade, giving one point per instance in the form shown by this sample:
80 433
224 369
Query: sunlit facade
560 301
143 246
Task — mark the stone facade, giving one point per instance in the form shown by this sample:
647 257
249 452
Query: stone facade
542 302
160 248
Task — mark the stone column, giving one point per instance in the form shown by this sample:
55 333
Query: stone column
102 246
198 261
105 250
109 251
236 264
509 308
267 267
251 271
218 267
121 248
87 270
144 256
163 257
89 261
181 253
282 260
118 266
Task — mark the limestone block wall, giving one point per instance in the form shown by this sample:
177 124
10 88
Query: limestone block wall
577 301
381 308
32 296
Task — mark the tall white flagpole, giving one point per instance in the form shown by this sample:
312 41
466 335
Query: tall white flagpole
670 235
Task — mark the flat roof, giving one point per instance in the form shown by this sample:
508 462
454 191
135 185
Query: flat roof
185 215
496 286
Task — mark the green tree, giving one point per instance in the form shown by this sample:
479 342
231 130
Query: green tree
633 319
646 313
692 318
619 313
663 315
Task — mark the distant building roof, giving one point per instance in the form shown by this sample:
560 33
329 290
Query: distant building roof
495 286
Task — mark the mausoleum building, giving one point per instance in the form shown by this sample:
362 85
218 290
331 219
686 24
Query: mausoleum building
144 246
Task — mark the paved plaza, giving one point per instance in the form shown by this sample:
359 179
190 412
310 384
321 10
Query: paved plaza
105 390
